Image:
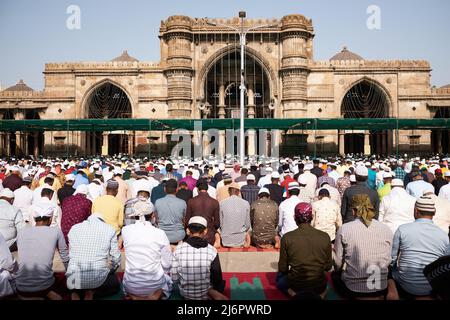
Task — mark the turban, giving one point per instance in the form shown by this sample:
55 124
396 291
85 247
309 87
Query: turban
364 208
303 213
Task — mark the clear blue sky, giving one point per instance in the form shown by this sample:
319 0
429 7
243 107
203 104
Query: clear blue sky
33 32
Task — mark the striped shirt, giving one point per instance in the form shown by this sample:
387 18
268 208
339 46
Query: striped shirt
234 221
250 193
361 253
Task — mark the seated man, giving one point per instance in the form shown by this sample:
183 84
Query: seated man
363 246
234 219
416 245
326 214
93 243
170 212
7 267
264 219
305 257
11 220
143 194
196 265
36 248
148 257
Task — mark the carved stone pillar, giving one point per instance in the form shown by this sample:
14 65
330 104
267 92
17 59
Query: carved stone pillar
367 150
296 37
341 142
36 144
251 114
105 146
176 32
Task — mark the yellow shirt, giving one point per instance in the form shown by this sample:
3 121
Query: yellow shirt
111 209
56 183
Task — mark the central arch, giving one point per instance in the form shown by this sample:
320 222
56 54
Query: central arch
107 100
367 99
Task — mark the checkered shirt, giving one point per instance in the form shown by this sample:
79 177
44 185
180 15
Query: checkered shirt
191 268
92 244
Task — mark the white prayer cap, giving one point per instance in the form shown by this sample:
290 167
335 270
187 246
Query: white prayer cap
221 166
141 185
43 209
397 183
142 208
367 163
361 171
118 170
70 177
47 186
268 169
447 174
198 220
263 190
387 175
275 175
251 177
82 189
352 178
302 180
7 193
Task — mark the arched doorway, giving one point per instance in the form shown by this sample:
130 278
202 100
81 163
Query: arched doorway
34 140
9 142
108 101
222 93
440 139
366 100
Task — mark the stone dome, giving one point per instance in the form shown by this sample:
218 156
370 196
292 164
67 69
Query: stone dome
19 86
125 57
346 54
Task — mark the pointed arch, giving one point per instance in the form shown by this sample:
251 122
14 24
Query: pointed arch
271 75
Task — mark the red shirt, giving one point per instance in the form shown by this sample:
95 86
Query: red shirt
285 184
75 209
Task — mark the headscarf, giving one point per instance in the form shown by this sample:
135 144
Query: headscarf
364 208
303 213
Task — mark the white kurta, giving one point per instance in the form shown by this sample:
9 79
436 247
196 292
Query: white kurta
397 208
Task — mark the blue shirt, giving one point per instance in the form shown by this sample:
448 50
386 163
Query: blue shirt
416 245
371 179
170 211
80 179
416 188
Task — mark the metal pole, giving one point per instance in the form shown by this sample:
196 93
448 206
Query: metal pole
242 87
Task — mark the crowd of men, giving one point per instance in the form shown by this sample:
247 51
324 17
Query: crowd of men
380 227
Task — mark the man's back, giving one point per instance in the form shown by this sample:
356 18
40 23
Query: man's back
308 253
75 209
445 192
250 192
92 243
347 198
264 218
170 211
286 211
416 245
205 206
326 216
11 221
397 208
360 248
111 209
36 248
416 188
147 255
234 221
276 192
438 183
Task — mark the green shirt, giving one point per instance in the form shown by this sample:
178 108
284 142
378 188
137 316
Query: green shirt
384 191
305 256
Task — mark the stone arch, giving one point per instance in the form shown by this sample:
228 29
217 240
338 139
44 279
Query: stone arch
90 90
374 82
271 75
